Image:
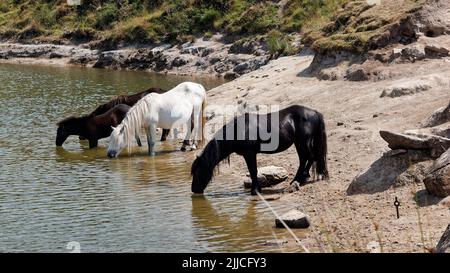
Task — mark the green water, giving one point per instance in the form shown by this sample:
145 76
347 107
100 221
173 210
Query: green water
51 196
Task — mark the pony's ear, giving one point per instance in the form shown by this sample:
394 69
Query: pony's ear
114 128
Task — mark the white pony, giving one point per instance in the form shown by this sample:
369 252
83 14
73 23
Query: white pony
168 110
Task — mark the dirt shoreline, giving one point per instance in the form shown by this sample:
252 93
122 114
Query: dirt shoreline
354 114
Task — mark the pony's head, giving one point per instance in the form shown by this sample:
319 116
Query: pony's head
66 127
202 169
116 141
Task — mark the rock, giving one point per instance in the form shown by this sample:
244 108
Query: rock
395 152
392 171
403 89
436 51
357 73
251 65
436 145
276 242
437 182
55 55
179 61
247 47
106 59
396 53
193 50
442 130
440 116
443 245
293 219
340 123
413 53
240 68
230 75
268 176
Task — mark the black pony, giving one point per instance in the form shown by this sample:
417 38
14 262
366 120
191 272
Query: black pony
298 125
92 127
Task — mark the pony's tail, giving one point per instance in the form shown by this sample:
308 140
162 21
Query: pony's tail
320 148
203 120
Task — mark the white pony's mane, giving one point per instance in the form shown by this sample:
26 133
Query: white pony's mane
135 117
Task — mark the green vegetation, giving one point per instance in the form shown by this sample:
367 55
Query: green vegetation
327 25
357 26
161 20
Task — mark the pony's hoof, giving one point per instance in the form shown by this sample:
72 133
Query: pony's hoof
151 154
194 147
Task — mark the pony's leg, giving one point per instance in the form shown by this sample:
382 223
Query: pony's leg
250 160
164 134
196 129
151 136
138 139
93 143
299 176
187 137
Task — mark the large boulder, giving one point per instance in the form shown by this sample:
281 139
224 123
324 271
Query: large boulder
405 88
293 219
436 145
395 168
268 176
440 116
442 130
437 182
444 243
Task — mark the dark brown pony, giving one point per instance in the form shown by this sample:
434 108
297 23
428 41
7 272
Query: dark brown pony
92 127
245 135
129 100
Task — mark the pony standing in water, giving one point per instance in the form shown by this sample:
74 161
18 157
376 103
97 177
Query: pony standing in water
129 100
298 125
92 127
172 109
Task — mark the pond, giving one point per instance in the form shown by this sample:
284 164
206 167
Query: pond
50 196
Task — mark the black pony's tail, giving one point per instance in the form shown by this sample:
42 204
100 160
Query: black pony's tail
320 148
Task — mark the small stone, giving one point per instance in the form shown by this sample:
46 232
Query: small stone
268 176
276 242
293 219
340 123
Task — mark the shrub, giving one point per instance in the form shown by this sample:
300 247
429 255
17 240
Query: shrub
106 16
44 15
280 43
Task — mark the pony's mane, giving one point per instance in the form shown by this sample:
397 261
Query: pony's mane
70 118
134 118
210 159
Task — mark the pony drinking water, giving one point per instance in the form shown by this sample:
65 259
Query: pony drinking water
172 109
92 127
298 125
